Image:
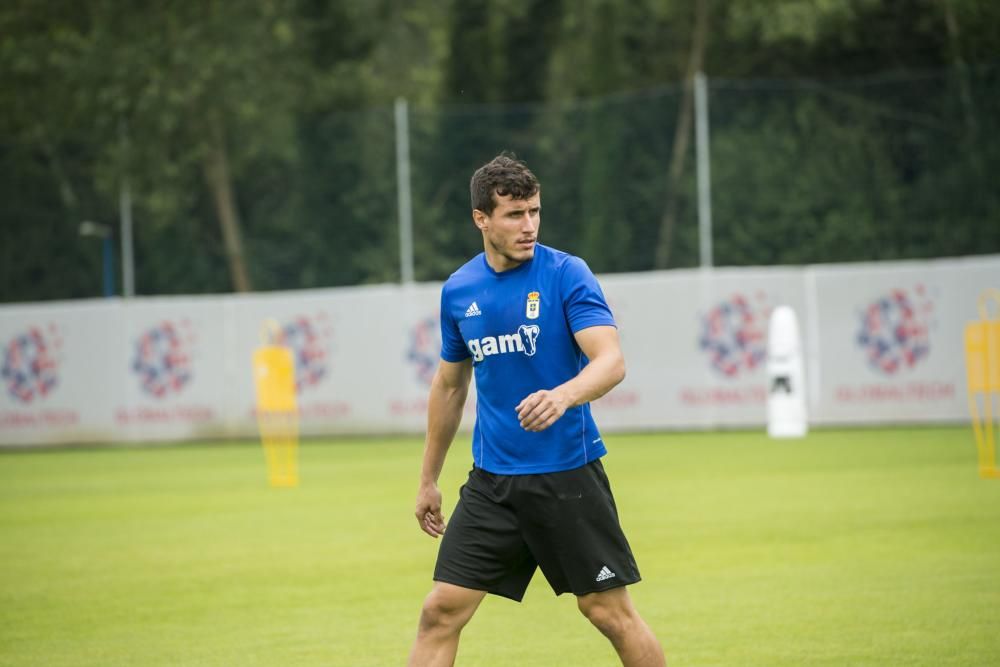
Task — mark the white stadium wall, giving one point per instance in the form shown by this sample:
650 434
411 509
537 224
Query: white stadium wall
883 344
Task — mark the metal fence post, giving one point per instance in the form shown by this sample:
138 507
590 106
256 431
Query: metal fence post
704 171
125 214
403 192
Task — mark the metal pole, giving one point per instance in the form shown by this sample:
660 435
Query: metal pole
704 172
109 266
103 232
128 267
125 214
403 191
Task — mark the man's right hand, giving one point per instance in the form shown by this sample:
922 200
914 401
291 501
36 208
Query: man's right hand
428 510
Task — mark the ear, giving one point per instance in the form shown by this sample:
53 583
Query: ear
480 219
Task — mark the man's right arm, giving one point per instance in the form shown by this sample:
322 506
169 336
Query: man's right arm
445 404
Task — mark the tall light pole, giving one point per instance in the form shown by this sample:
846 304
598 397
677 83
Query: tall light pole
103 232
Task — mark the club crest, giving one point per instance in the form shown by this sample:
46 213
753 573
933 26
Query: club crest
533 306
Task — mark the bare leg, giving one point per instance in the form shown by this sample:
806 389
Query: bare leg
447 608
613 614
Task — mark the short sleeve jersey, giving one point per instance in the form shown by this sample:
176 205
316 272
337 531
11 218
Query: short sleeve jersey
518 326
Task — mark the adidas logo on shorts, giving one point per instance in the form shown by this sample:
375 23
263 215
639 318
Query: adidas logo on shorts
604 574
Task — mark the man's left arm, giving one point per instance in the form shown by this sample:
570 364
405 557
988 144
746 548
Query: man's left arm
606 369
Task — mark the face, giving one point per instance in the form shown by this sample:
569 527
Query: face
510 232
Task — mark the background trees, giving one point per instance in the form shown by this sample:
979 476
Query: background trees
257 140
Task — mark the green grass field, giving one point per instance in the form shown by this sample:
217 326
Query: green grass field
876 547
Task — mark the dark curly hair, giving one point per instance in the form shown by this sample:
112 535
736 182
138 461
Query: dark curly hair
504 175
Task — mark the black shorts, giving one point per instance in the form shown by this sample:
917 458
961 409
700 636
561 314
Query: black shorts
505 526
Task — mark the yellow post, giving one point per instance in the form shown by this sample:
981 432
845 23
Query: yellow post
277 407
982 365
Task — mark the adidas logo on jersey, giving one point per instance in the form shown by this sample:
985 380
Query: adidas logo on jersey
604 574
522 340
473 310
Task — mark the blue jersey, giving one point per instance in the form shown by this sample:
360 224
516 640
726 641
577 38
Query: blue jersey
518 327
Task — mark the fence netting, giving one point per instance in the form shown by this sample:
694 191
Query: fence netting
802 171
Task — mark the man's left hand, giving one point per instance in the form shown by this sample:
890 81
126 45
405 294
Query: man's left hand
540 410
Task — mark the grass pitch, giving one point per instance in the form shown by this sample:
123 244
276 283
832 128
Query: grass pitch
859 547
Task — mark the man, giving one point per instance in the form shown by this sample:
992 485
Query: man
527 318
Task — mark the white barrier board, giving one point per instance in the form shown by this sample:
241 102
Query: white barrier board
883 345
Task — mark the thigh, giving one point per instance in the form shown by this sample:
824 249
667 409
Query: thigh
482 547
571 526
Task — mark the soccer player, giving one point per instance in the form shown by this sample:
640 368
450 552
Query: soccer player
534 325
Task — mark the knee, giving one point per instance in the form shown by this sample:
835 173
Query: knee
613 621
442 614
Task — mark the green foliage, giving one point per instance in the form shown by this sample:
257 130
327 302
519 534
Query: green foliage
799 20
872 137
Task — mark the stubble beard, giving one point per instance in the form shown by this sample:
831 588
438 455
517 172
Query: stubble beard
510 251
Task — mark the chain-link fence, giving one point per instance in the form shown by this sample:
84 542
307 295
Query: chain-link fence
887 167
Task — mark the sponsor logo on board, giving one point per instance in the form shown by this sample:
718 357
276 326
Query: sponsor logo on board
308 338
424 348
894 330
162 358
30 364
734 334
